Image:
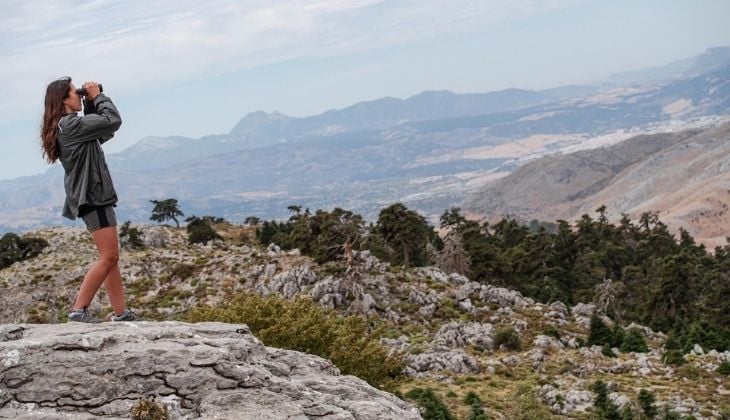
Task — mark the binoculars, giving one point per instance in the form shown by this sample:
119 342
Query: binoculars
82 91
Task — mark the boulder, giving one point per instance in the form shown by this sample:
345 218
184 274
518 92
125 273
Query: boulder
206 370
441 358
461 334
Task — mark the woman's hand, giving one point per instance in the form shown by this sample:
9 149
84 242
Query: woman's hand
92 89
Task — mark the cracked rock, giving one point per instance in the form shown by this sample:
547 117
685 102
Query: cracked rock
205 370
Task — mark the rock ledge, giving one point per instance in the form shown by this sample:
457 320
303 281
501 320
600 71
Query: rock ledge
205 370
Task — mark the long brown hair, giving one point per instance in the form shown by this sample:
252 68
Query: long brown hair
56 92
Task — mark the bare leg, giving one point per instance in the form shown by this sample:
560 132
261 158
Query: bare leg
106 243
115 290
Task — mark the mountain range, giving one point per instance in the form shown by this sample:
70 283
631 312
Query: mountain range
431 151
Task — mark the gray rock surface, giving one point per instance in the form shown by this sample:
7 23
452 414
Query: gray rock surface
440 358
206 370
461 334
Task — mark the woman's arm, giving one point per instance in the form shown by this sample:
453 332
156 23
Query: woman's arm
89 108
100 124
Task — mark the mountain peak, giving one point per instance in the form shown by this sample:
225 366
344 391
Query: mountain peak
257 119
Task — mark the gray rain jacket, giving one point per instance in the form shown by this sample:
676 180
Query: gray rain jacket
87 180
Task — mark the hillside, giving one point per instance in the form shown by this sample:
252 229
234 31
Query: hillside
450 329
683 176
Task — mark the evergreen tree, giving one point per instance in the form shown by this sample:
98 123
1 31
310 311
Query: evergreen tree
599 333
432 408
166 210
647 403
634 342
406 233
200 230
605 409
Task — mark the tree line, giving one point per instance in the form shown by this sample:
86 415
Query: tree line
634 270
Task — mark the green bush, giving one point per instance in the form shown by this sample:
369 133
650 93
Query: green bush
634 341
200 231
724 368
303 325
526 405
605 409
647 403
599 333
551 331
673 357
476 412
507 336
182 271
148 409
13 248
607 351
130 237
432 408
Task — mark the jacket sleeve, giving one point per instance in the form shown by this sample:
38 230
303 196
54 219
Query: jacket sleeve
97 125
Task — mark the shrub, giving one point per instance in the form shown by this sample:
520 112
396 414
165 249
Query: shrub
646 402
476 412
607 351
551 331
673 357
148 409
605 409
432 408
599 333
182 271
200 231
13 248
634 341
618 335
507 336
724 368
526 405
130 237
349 342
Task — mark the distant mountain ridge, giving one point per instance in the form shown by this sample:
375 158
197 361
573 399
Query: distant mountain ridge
430 150
711 59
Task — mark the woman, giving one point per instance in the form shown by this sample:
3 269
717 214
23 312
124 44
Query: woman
76 141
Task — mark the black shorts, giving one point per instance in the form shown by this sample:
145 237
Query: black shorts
98 217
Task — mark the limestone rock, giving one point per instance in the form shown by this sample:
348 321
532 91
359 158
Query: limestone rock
503 297
206 370
544 341
460 334
583 310
289 283
441 358
155 237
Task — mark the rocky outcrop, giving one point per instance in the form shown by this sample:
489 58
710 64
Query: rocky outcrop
206 370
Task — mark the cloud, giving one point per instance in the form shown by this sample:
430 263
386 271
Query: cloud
139 46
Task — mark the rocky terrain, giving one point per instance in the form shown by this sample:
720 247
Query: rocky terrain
446 326
683 176
204 370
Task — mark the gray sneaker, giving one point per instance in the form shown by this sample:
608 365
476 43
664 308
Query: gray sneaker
83 315
127 315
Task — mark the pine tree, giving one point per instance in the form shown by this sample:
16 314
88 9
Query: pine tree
406 233
166 210
647 403
599 333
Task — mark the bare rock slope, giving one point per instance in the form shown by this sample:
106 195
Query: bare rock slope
683 176
206 370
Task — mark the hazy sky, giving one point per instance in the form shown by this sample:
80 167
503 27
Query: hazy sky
191 67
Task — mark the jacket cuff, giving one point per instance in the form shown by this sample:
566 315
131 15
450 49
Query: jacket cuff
100 98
